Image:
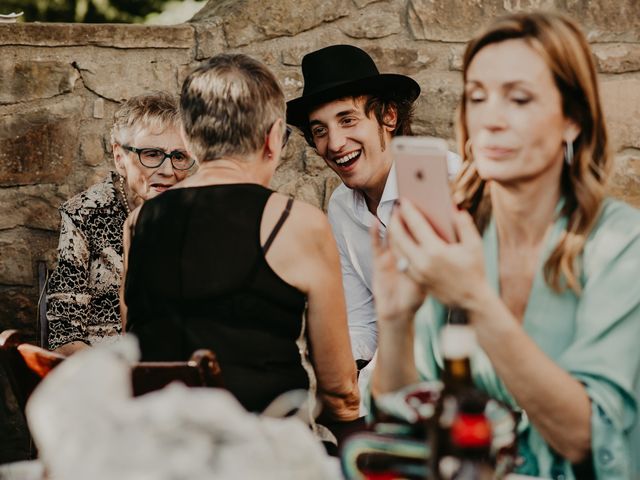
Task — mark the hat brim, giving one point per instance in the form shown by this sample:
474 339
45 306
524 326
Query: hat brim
390 84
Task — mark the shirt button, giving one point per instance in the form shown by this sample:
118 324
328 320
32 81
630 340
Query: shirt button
605 455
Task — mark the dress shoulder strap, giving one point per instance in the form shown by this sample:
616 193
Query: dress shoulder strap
276 229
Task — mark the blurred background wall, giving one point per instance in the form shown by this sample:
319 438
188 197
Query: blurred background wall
60 84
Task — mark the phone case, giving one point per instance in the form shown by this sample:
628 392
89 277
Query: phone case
421 170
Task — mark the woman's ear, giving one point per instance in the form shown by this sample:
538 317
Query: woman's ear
273 142
118 159
571 131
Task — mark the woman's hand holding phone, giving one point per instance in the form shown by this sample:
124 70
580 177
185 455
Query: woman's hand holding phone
441 244
452 272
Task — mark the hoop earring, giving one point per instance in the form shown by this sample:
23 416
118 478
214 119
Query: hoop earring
568 153
467 150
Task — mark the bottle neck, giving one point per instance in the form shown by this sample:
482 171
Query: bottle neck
457 374
457 343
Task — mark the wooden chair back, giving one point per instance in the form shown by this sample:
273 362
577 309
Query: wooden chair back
42 322
201 370
27 364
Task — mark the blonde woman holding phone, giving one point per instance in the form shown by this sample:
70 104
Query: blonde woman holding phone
545 266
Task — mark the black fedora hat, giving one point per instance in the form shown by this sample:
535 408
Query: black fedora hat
343 70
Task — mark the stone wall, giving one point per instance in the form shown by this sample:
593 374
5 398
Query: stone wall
61 83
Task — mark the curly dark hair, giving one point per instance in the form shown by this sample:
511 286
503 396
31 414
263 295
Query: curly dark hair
378 105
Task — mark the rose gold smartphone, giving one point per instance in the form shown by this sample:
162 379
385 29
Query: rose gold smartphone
421 169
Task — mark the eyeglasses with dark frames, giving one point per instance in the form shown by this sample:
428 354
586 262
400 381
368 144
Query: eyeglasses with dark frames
154 157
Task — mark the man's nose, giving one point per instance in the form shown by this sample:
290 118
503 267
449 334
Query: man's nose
337 140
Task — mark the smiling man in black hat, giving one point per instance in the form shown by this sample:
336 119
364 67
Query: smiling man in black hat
349 112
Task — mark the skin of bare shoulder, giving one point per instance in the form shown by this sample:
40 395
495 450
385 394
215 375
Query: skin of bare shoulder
305 255
300 247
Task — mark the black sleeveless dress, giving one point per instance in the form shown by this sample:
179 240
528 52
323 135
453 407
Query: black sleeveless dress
197 278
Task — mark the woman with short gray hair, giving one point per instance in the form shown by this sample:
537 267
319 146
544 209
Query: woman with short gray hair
244 271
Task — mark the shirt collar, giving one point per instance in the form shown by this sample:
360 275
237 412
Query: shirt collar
389 196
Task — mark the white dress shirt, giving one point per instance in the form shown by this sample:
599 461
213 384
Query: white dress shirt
350 220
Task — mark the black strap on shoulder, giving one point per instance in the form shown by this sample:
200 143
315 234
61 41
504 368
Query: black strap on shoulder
278 226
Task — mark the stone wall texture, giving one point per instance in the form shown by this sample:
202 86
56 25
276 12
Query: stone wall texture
61 83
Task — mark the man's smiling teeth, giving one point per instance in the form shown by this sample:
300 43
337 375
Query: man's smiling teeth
348 157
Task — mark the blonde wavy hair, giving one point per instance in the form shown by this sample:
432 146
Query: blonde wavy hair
566 52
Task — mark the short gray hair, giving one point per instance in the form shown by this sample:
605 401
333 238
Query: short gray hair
228 104
155 111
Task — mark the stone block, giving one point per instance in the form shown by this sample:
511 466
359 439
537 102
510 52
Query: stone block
20 248
23 81
621 104
459 20
40 145
407 59
98 108
182 73
16 260
378 21
364 3
292 84
456 57
92 150
436 106
605 21
625 183
33 206
293 50
313 163
617 57
249 21
210 38
453 21
290 79
291 165
331 182
293 154
129 74
103 35
286 173
306 188
18 307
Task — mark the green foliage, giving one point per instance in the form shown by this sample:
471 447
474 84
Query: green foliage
84 11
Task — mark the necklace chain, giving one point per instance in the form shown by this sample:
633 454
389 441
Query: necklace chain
124 196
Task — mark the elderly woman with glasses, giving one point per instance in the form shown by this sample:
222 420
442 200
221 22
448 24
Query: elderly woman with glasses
226 263
149 157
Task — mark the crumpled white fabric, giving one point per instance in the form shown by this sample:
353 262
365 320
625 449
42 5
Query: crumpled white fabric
86 425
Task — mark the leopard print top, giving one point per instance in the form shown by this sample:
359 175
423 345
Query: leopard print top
83 291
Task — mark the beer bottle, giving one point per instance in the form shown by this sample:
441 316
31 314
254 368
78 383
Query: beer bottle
457 344
470 437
